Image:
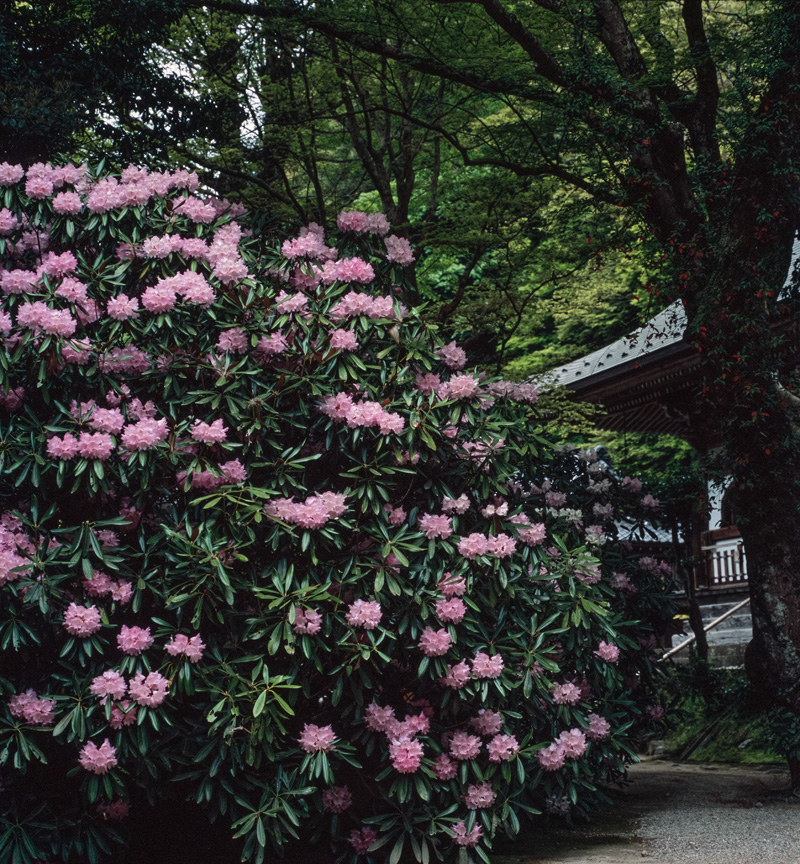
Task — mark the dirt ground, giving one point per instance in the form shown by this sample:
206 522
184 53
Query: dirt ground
673 813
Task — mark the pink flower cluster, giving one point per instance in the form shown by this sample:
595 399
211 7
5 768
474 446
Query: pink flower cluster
477 544
365 413
566 694
102 585
365 614
434 643
40 318
310 243
462 837
362 223
35 710
190 646
435 526
399 251
608 652
337 799
406 754
134 640
464 746
149 690
343 340
209 433
530 534
314 512
98 760
484 666
348 270
452 356
458 505
599 727
459 387
353 303
307 621
502 748
317 739
487 722
82 621
528 394
362 839
450 611
479 795
109 684
145 434
97 445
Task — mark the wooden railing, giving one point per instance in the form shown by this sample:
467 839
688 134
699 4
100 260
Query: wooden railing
725 563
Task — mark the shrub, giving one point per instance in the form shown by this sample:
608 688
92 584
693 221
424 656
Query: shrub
264 536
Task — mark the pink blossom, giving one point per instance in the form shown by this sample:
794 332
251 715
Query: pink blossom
190 646
462 837
656 712
484 666
464 746
134 640
67 203
555 499
479 795
452 356
145 434
286 304
121 592
317 739
473 545
566 694
307 621
213 433
631 485
435 526
599 727
552 758
116 811
98 760
459 387
8 222
62 448
98 586
233 340
365 614
399 251
10 174
362 840
434 643
427 383
450 611
107 420
130 360
17 281
396 515
159 298
337 799
452 586
487 722
502 748
378 718
110 683
573 742
456 505
150 690
97 445
406 755
607 651
501 545
195 209
343 340
82 620
353 220
650 503
28 706
123 715
457 675
622 583
269 346
444 767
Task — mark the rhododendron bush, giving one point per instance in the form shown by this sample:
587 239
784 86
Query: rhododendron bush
267 543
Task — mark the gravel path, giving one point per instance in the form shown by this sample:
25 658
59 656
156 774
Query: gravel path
673 813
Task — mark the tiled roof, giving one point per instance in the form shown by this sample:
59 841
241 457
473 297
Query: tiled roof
663 334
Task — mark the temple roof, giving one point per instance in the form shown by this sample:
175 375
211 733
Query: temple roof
646 380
